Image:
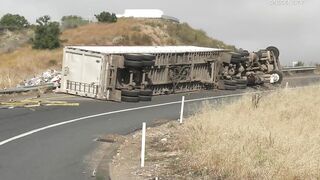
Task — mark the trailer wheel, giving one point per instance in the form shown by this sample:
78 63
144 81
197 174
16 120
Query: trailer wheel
277 77
259 54
129 99
244 59
139 57
130 93
149 57
230 82
229 87
242 81
146 92
244 53
145 98
236 55
235 60
136 64
133 57
241 86
148 63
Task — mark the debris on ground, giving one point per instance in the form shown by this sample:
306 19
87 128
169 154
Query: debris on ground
30 103
48 80
49 76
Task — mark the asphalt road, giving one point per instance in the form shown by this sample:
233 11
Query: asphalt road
59 152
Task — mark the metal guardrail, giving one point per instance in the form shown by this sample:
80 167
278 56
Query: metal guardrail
302 68
26 88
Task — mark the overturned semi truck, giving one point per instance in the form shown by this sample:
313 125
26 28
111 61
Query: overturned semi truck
136 73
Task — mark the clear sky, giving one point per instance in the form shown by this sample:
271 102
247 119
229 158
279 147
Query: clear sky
291 25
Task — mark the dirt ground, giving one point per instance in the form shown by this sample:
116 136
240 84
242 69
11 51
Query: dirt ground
160 161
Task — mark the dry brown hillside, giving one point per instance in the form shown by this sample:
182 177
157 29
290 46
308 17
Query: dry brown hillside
25 62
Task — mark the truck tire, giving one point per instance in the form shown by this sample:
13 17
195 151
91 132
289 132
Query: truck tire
145 98
139 57
229 87
230 82
146 92
149 57
244 59
275 50
133 57
130 93
279 75
241 86
136 64
259 53
242 81
235 60
236 55
129 99
148 63
244 53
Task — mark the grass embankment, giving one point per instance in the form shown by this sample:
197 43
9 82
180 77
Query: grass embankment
280 139
24 62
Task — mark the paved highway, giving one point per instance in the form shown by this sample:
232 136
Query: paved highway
59 151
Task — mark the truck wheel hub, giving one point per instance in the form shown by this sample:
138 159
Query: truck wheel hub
274 78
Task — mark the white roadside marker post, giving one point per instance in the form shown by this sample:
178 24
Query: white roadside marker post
181 112
143 143
287 85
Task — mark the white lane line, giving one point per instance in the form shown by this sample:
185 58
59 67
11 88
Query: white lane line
127 110
108 113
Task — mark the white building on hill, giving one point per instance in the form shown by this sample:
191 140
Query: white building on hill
142 13
146 13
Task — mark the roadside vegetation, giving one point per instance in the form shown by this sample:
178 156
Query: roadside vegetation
277 140
29 49
106 17
72 21
46 34
14 22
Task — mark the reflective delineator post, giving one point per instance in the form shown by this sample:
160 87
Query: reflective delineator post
181 112
143 143
287 85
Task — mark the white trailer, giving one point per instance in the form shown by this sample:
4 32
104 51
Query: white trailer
99 71
134 73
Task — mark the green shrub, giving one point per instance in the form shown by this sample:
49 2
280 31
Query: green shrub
68 22
14 22
106 17
46 34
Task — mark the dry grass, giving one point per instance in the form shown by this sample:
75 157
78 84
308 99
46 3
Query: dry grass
131 31
278 140
25 63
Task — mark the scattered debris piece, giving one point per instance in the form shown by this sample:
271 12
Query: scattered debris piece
48 80
49 76
31 103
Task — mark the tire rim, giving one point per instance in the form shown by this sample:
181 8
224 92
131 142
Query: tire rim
274 78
